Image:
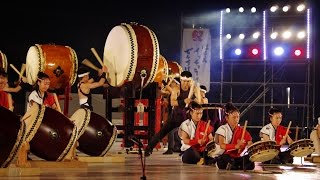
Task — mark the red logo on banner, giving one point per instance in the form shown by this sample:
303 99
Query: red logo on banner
197 35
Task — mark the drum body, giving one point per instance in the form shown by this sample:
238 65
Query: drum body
211 148
163 71
12 134
262 151
96 134
60 63
3 61
214 112
300 148
174 69
51 134
129 49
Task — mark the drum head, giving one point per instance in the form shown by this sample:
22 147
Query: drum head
81 119
261 142
264 155
33 119
301 148
127 49
3 62
34 64
162 73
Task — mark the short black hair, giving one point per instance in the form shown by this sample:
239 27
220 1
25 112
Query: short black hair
187 74
83 69
203 87
272 111
42 75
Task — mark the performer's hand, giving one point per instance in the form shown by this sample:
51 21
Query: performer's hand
164 83
187 100
283 141
104 68
240 144
201 141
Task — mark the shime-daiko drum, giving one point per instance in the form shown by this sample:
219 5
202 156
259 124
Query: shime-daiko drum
130 52
12 135
95 133
262 151
51 134
163 71
59 62
3 61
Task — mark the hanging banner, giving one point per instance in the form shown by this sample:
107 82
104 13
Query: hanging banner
196 54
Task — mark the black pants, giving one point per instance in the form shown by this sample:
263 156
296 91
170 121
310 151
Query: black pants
173 122
282 158
192 156
174 141
240 163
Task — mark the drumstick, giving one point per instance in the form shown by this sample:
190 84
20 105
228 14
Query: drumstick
243 132
288 128
97 56
57 102
191 91
297 133
206 131
89 64
15 69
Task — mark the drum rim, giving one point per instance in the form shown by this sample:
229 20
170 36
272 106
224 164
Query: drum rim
72 141
35 122
73 75
4 61
112 139
84 123
262 141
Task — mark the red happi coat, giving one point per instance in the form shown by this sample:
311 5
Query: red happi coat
200 131
4 99
280 132
237 133
49 101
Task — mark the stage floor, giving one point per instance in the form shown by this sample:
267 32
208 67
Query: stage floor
163 167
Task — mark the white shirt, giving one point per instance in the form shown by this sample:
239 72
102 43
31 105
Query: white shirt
268 130
188 127
34 96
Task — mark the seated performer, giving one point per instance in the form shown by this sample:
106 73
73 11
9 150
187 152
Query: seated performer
229 143
276 132
195 134
315 137
40 94
5 98
86 84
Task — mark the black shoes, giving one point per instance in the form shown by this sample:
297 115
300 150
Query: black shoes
147 152
169 151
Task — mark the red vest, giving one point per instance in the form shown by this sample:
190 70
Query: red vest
4 99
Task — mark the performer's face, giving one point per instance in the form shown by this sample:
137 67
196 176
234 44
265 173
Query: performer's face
276 119
3 82
233 118
196 114
44 85
185 84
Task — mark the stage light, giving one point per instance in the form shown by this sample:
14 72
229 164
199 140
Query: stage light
297 52
228 10
278 51
241 9
241 36
286 34
301 7
255 51
274 35
285 8
301 34
228 36
274 8
253 10
256 35
237 51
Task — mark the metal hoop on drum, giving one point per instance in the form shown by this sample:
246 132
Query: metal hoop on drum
129 50
96 134
13 133
59 62
3 61
48 128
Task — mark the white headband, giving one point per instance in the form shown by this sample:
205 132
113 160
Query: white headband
83 74
176 81
203 90
186 78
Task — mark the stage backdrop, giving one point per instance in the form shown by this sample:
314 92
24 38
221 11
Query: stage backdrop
196 54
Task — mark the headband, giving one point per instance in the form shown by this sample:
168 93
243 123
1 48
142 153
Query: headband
186 78
83 74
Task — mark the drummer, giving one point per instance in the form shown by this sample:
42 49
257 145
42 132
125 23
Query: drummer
40 94
229 143
203 91
195 134
86 84
276 132
4 96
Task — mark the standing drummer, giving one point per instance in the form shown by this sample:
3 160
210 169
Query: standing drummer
86 84
203 91
276 132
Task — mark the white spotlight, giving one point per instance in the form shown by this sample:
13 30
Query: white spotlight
253 10
241 9
301 34
286 35
278 51
237 51
285 8
228 36
274 8
301 7
297 52
274 35
228 10
256 35
241 36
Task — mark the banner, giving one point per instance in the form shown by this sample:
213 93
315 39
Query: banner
196 54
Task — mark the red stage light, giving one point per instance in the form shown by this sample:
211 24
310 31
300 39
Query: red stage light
255 51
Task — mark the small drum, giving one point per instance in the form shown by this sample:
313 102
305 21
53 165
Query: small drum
95 133
262 151
3 61
12 134
214 112
163 71
129 50
174 69
59 62
51 134
211 148
300 148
